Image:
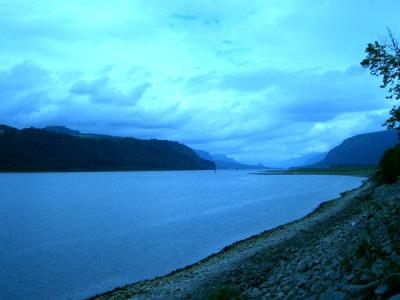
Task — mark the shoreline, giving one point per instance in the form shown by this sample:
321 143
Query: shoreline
196 280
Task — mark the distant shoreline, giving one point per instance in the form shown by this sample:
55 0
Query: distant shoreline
193 279
345 171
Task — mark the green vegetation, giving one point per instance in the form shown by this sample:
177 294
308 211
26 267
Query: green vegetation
225 292
363 171
383 60
34 149
390 165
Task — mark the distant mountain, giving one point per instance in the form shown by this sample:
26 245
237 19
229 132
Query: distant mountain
204 155
360 150
63 149
224 162
304 160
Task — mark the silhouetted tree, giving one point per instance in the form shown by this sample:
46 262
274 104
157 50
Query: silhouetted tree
383 60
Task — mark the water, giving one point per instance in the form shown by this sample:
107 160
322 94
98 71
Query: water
72 235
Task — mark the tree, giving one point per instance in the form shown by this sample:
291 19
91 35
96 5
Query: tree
383 60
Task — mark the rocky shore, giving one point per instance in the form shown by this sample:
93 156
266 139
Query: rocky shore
348 248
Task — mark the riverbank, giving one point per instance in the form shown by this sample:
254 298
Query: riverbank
347 171
341 250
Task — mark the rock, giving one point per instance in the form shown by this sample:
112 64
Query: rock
365 278
388 249
395 297
317 287
349 277
329 275
393 283
280 295
382 289
378 268
302 266
253 293
302 282
356 290
333 295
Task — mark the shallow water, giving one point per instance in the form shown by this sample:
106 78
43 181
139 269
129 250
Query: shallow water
72 235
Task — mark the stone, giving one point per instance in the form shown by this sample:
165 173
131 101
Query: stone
378 268
349 277
329 275
382 289
356 290
333 295
388 249
253 293
302 282
316 287
365 278
393 283
302 266
280 295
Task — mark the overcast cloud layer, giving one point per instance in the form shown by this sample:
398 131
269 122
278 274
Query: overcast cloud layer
258 80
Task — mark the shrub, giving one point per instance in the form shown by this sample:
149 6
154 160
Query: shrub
390 165
225 292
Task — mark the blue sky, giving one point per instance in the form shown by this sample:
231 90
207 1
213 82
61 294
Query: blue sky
258 80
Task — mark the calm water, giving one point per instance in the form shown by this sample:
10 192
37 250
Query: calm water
72 235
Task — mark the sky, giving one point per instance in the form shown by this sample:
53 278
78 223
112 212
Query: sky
260 80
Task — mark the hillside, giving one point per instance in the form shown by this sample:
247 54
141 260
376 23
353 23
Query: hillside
360 150
224 162
304 160
34 149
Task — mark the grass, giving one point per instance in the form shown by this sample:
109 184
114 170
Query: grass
350 171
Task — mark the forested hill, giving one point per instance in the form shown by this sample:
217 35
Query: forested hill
34 149
360 150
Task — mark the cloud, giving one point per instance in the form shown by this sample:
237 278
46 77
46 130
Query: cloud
22 76
22 89
259 80
310 95
185 17
101 90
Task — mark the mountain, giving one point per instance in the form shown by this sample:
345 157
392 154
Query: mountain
304 160
204 155
360 150
224 162
62 129
34 149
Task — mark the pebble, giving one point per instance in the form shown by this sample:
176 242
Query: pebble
302 266
360 290
349 277
333 295
382 289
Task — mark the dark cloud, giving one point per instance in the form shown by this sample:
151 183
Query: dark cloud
28 99
22 90
309 95
22 77
208 20
185 17
254 81
102 91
